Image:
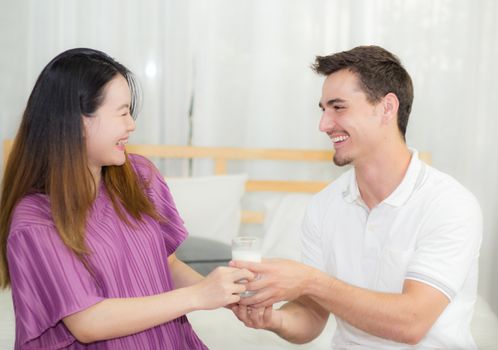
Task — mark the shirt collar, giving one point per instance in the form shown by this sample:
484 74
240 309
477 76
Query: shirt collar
400 195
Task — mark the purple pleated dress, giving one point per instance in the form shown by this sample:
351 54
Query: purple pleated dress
49 282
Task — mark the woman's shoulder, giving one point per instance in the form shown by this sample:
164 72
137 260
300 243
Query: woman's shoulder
150 178
33 209
143 166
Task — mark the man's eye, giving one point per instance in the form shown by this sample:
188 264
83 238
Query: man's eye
338 107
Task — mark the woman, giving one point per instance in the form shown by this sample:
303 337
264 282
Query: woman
87 232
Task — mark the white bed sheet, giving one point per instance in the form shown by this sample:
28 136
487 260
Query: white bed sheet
220 330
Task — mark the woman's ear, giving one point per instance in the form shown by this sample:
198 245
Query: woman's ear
85 124
390 105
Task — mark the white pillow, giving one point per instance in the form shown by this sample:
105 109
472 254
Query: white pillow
210 205
282 226
7 321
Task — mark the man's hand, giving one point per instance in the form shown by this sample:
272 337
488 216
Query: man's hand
277 280
259 318
299 321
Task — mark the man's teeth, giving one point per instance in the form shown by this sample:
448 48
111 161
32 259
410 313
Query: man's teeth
339 138
122 142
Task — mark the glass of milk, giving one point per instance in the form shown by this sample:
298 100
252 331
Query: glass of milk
246 248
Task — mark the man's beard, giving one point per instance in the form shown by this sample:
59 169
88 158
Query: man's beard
341 161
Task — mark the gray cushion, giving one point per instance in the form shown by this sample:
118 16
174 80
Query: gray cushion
204 255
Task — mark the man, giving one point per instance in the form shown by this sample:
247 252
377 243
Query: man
390 248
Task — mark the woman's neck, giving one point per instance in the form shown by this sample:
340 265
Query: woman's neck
96 175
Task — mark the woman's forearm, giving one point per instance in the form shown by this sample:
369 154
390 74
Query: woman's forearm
182 274
112 318
117 317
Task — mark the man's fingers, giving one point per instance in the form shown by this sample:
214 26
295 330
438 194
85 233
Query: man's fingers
262 298
257 299
246 301
267 315
265 303
242 274
253 266
260 313
259 282
245 314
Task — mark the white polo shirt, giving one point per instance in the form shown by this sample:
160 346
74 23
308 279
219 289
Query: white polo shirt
429 229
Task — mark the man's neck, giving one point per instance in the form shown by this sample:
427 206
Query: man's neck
380 175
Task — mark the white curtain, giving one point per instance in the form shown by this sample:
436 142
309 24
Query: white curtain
255 88
151 38
239 71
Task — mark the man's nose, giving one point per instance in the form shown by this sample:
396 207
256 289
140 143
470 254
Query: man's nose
326 122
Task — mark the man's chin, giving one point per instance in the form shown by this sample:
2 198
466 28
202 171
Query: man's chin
341 161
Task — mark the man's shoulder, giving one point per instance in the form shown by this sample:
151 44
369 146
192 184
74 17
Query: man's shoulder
444 186
442 194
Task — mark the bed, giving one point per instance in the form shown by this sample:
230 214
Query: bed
227 197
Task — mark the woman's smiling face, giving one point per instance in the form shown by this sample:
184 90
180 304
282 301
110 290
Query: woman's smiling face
107 130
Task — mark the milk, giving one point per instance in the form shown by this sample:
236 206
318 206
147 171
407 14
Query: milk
246 249
246 255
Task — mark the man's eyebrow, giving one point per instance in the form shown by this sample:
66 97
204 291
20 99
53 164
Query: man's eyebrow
331 102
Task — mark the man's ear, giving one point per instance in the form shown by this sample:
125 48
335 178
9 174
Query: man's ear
390 106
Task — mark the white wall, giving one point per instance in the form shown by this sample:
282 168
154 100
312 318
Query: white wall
247 64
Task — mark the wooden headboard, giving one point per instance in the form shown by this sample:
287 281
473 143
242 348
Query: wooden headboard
222 155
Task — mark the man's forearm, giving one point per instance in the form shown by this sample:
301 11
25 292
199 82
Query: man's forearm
399 317
302 321
404 317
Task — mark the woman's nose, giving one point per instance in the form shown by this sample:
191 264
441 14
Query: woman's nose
131 124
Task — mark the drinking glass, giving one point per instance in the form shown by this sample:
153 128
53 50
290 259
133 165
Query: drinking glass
246 248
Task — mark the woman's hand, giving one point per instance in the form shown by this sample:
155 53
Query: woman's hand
220 287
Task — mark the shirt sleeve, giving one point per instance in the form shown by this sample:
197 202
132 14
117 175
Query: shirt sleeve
158 191
48 283
449 246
